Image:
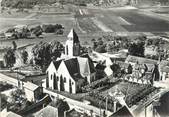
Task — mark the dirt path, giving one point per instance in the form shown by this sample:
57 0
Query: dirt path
102 26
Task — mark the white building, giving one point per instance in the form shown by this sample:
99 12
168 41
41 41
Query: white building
32 91
164 70
72 70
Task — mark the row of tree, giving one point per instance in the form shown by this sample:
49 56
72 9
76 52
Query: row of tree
10 56
44 53
136 49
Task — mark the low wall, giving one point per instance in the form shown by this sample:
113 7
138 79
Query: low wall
77 104
43 101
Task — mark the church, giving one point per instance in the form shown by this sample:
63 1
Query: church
72 70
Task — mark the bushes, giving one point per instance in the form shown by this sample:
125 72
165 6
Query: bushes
52 28
19 3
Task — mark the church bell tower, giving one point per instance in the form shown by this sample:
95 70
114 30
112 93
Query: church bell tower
72 47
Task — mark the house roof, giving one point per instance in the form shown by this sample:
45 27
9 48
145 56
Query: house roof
30 86
12 114
123 64
73 113
72 35
123 112
163 108
140 60
48 111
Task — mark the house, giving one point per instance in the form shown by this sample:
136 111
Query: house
143 68
70 72
2 61
161 109
164 70
123 112
32 91
37 79
48 111
134 59
162 67
6 113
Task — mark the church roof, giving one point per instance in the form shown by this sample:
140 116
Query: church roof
91 65
73 68
72 35
83 65
57 64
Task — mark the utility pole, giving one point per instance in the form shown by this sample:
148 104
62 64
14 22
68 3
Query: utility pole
106 103
100 107
145 111
0 102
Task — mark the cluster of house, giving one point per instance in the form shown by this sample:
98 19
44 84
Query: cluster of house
72 70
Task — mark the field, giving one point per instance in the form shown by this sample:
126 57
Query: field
131 20
88 23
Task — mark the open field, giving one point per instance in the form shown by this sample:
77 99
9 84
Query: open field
132 20
88 23
123 20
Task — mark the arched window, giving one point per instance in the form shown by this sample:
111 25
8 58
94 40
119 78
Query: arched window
51 77
67 50
64 79
55 82
57 78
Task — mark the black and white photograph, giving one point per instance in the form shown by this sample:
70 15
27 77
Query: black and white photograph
84 58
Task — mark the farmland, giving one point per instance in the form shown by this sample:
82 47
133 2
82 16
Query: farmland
88 23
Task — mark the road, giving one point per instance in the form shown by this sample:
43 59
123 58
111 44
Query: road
76 104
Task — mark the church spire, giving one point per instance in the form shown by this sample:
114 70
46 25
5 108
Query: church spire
72 46
73 36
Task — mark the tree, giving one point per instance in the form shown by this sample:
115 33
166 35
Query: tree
137 49
116 69
45 52
14 45
37 31
101 48
24 56
156 73
93 40
130 69
10 58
